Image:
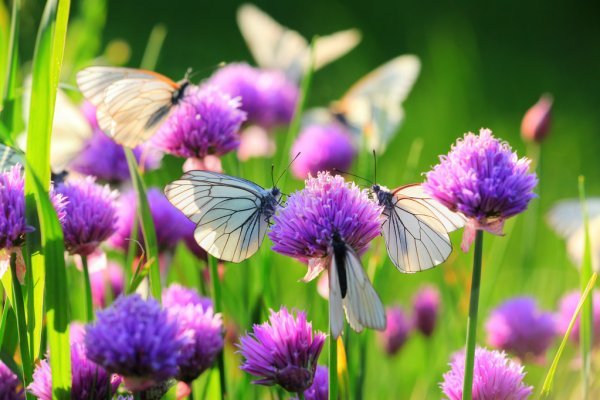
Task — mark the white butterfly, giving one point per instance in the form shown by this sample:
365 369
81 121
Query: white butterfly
372 108
9 157
416 227
566 219
351 291
275 46
131 103
231 214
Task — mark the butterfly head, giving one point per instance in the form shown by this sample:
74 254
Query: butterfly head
383 195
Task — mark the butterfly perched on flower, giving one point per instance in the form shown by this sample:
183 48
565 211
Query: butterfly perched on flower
131 103
372 107
9 157
231 214
274 46
415 227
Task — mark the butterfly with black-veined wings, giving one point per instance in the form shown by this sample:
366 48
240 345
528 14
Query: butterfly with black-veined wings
350 291
231 214
416 227
275 46
372 108
131 103
9 157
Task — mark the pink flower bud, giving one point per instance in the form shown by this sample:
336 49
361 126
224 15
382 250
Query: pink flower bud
536 122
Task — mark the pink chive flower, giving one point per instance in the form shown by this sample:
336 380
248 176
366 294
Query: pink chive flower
536 122
111 279
10 385
566 309
426 305
396 332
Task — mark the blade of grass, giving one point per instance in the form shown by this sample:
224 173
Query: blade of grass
547 386
89 307
8 115
147 225
154 46
218 306
587 313
26 362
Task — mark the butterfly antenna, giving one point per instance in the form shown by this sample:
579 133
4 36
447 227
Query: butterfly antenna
353 175
375 165
286 168
189 74
66 86
273 174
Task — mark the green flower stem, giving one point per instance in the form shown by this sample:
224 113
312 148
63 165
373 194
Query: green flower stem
333 383
89 305
21 324
472 322
218 307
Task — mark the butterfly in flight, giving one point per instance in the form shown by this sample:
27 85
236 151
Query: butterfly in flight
231 214
277 47
350 291
131 103
415 227
372 107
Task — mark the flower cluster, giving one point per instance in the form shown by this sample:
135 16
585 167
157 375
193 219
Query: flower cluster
10 386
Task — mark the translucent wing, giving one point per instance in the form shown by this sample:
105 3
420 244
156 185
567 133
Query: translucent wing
9 157
275 46
362 304
229 212
415 237
336 309
372 107
566 217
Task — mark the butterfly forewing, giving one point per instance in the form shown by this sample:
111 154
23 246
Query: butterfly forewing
230 218
336 308
9 157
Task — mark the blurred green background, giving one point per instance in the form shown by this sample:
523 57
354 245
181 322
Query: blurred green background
483 65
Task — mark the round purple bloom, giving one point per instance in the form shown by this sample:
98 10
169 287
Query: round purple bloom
179 296
566 309
319 390
113 276
267 96
519 327
322 148
90 215
172 225
203 330
484 179
206 122
13 225
495 377
426 304
328 205
105 159
10 386
283 351
397 330
89 381
135 338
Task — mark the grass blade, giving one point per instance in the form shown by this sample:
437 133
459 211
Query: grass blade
547 386
21 323
587 312
154 46
9 114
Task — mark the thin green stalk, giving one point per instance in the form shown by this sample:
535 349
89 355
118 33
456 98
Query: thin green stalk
333 378
472 321
586 332
89 306
9 96
21 324
218 306
154 46
300 395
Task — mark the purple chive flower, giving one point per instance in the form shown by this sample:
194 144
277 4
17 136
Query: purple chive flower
111 278
397 330
105 159
136 339
536 122
179 296
13 225
319 390
495 377
426 304
203 330
172 224
519 327
10 385
206 122
283 351
566 309
267 96
484 179
90 215
328 205
89 381
322 148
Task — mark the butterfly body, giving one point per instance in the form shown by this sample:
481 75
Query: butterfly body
339 252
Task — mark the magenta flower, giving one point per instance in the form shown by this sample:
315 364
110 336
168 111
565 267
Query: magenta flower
10 385
283 351
91 215
495 377
396 332
319 390
519 327
566 309
13 225
112 279
536 122
484 179
267 96
322 148
179 296
207 122
426 304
